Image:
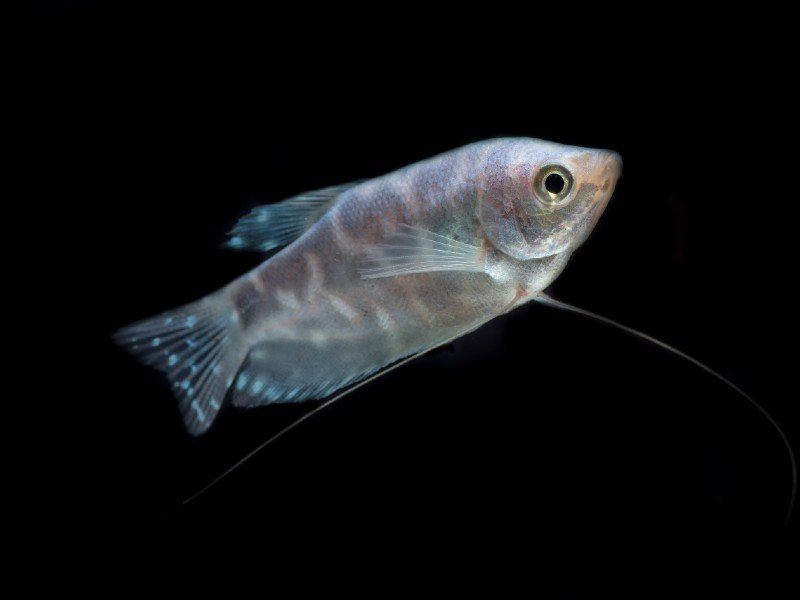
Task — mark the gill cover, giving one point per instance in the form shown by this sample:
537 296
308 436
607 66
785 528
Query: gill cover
536 212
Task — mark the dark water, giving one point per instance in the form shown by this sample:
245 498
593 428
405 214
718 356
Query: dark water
541 432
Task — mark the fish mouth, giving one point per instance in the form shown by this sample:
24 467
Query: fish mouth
609 172
613 164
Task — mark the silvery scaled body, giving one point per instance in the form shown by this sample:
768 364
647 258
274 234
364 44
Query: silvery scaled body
378 271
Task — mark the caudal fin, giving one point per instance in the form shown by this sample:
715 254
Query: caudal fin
199 346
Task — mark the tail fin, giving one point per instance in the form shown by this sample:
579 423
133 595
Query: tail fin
200 348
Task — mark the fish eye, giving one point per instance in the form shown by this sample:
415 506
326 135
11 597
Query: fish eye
553 184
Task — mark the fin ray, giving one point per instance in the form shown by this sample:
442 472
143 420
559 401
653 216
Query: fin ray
274 225
415 250
198 347
356 384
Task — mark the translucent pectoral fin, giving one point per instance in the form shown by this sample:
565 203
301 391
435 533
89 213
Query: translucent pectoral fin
274 225
416 250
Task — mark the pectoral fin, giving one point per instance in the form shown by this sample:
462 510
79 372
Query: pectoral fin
415 250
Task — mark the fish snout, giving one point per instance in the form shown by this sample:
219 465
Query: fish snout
612 167
607 170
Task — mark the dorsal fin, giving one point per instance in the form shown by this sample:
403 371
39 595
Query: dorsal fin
547 300
275 225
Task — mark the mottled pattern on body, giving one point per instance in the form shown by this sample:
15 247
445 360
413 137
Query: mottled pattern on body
385 269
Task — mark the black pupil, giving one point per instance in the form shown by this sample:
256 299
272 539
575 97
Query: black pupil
554 183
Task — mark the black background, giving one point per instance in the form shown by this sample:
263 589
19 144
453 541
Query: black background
155 129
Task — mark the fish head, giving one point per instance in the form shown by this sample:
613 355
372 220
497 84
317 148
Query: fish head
538 199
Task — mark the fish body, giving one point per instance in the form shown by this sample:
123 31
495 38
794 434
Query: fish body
378 271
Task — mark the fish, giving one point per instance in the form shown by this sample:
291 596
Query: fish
371 273
361 278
